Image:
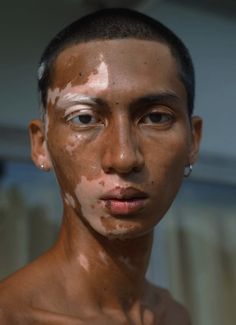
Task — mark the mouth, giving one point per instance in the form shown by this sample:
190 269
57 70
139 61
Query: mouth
124 201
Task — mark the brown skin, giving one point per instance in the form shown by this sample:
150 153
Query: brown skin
95 273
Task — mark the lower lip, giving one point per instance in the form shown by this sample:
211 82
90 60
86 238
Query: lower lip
122 207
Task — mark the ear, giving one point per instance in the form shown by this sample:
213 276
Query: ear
196 130
39 150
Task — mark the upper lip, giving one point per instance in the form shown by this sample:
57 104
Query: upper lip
124 193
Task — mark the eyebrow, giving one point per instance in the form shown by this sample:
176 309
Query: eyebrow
147 100
75 99
155 98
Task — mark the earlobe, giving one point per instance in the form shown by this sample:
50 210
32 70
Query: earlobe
39 150
196 130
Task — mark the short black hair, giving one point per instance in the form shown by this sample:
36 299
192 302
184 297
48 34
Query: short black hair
116 23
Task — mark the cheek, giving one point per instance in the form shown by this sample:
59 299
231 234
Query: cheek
166 167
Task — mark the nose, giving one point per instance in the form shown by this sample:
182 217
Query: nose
122 154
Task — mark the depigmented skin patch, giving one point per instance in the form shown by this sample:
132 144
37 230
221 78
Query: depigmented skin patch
97 81
93 210
83 260
69 200
85 155
97 267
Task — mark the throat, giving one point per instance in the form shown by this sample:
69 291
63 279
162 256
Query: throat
107 273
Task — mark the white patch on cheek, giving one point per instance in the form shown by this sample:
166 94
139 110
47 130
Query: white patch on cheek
93 210
72 143
69 200
87 193
84 262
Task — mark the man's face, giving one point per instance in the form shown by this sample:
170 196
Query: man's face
118 133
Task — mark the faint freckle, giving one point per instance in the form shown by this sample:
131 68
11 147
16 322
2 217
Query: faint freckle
92 206
114 83
102 183
152 183
80 74
145 62
117 103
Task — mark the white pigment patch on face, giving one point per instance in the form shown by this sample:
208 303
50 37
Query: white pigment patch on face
99 81
89 192
46 124
83 261
96 82
69 200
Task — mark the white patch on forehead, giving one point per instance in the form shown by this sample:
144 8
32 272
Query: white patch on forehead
55 93
69 200
97 81
84 262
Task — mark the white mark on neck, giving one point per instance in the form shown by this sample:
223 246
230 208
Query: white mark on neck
126 261
84 262
103 257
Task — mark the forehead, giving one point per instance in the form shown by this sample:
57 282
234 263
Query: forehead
128 64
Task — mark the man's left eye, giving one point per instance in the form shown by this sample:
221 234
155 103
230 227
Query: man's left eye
155 118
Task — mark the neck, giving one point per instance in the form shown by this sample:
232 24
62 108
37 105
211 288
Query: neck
112 271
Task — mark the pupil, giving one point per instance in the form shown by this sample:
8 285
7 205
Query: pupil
85 119
154 117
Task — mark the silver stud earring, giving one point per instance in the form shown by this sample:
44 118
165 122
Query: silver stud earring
42 166
188 170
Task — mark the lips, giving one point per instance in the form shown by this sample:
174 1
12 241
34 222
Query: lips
124 201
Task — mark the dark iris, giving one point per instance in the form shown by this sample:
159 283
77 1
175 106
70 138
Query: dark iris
155 117
85 119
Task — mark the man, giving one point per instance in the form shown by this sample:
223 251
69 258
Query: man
117 92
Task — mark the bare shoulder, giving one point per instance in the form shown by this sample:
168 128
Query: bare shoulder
17 291
169 311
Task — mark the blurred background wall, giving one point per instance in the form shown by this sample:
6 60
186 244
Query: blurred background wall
194 253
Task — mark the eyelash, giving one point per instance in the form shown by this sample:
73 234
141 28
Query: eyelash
156 118
167 118
82 113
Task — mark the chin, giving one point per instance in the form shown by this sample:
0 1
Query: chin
122 229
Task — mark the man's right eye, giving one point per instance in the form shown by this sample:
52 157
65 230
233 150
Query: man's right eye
82 118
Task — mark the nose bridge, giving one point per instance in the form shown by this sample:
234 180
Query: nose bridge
122 152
